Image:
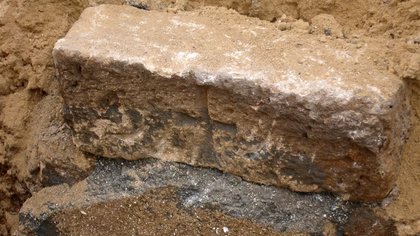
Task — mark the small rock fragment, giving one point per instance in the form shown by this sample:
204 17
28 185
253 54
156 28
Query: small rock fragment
329 229
410 66
325 24
300 26
283 25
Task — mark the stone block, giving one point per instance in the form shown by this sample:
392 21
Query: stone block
216 89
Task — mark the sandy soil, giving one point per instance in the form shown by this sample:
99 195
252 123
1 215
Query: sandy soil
29 101
154 212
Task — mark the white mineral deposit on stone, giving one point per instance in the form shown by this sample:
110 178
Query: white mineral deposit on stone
184 57
342 55
315 59
192 26
162 48
236 54
293 83
225 229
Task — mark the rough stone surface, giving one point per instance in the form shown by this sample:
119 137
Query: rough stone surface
51 157
191 189
233 93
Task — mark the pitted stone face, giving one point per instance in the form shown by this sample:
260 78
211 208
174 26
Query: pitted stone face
235 94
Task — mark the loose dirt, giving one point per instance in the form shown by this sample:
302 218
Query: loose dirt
29 96
152 213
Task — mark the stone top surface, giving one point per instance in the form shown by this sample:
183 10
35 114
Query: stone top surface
222 48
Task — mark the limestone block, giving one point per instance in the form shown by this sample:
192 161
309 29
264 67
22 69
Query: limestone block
217 89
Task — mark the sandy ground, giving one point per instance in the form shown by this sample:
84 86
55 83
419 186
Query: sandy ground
152 217
28 90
